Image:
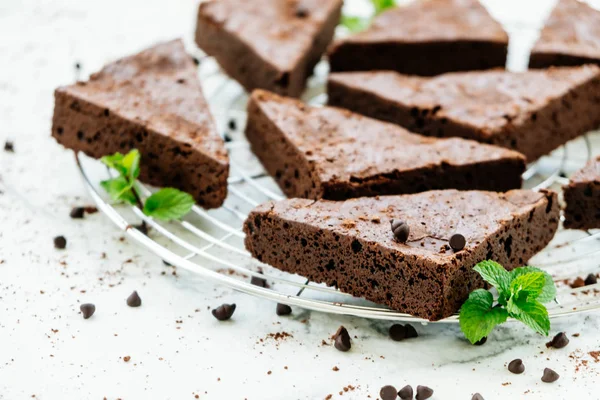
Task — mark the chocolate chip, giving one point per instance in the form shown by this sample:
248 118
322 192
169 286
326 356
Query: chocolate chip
397 332
559 341
134 299
424 392
590 280
283 309
87 309
477 396
227 138
9 147
77 212
60 242
259 282
342 339
301 12
223 312
457 242
410 331
406 393
400 229
516 366
142 228
481 341
388 393
232 124
549 376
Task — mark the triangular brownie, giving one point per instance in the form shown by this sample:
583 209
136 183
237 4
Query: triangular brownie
582 198
151 101
425 38
350 244
571 36
268 44
533 112
326 152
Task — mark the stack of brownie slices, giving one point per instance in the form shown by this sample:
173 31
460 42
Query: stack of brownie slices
424 129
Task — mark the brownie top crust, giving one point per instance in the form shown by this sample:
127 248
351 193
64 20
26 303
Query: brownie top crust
589 173
433 217
344 146
282 32
573 28
433 21
159 89
490 101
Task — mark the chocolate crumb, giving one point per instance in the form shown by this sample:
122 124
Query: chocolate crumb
577 283
457 242
342 339
87 310
591 279
575 334
301 12
77 65
196 60
481 341
232 124
549 376
223 312
388 393
559 341
134 299
424 392
60 242
283 309
227 138
406 393
77 212
259 282
477 396
400 229
335 368
126 358
9 147
516 366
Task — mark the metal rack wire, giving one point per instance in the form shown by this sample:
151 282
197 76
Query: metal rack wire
210 243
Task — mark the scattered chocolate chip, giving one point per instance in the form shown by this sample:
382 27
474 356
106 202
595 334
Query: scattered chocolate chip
559 341
397 332
516 366
262 282
60 242
223 312
481 341
342 339
477 396
406 393
388 393
577 283
283 309
77 65
301 12
9 146
232 124
457 242
134 299
411 332
400 229
77 212
591 279
87 309
549 376
196 60
424 392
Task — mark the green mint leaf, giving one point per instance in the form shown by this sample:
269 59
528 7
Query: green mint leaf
355 24
382 5
131 163
115 161
495 274
168 204
528 286
531 313
548 292
477 316
119 189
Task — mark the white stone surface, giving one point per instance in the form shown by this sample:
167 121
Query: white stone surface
177 349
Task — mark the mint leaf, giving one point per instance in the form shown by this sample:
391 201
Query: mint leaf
548 292
528 286
382 5
168 204
131 163
355 24
495 274
531 313
115 161
119 189
477 316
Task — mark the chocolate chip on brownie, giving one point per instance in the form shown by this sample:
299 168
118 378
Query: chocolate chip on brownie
457 242
400 229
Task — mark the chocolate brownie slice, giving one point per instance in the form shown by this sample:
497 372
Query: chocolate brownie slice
582 196
425 38
151 101
571 36
350 244
533 112
269 44
326 152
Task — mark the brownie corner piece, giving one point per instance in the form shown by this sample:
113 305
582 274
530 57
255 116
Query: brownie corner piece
350 245
268 44
151 101
582 198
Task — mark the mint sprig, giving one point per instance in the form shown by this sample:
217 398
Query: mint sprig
521 295
166 204
357 24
